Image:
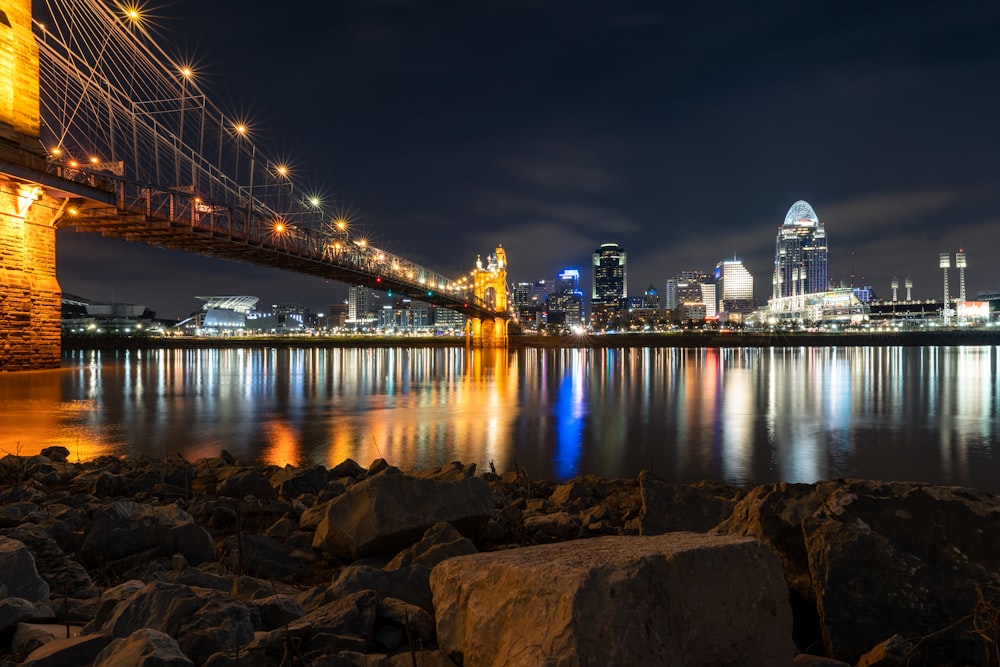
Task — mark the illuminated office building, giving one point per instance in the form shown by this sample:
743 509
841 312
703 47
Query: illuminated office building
610 275
800 255
734 287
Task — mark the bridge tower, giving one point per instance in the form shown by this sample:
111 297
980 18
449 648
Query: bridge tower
30 298
490 287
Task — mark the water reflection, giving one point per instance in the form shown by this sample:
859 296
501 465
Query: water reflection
738 415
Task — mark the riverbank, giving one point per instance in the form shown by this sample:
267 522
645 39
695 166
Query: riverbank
216 563
701 339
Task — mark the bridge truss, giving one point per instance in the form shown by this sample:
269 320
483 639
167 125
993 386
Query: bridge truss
167 167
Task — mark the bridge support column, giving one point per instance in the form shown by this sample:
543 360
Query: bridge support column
489 285
30 298
487 332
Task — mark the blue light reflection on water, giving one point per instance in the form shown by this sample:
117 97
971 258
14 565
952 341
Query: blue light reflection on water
737 415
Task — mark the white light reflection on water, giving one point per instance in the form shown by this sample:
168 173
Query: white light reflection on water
737 415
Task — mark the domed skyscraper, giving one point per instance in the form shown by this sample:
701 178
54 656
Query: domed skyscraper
800 256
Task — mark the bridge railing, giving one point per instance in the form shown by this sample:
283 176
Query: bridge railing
264 229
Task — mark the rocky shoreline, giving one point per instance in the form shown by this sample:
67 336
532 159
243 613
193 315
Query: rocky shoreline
174 563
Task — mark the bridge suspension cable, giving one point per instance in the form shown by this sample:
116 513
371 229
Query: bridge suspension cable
122 114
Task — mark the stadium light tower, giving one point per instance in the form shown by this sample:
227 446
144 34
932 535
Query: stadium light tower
945 265
909 287
960 265
895 288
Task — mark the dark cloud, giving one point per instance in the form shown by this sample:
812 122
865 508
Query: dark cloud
683 131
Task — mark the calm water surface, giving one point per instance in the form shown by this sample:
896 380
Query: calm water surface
738 415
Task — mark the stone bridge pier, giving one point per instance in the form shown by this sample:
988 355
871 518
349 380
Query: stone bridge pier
30 299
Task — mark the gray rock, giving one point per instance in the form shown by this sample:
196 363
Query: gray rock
869 559
259 556
345 624
415 622
313 516
109 600
14 513
143 648
276 611
557 525
30 636
452 472
347 468
46 541
18 573
670 507
242 482
58 454
382 467
291 482
126 528
72 652
203 621
681 598
440 542
411 584
389 512
19 610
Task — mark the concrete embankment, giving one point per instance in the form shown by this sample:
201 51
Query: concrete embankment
121 562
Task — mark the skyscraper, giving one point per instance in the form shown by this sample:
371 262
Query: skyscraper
360 304
733 287
683 288
800 255
568 299
610 278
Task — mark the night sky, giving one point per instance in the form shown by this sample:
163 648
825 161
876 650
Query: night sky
683 131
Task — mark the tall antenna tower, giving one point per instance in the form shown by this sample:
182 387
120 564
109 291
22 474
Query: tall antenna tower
945 264
895 288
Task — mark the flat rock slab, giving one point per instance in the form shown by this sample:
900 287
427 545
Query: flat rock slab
387 513
675 599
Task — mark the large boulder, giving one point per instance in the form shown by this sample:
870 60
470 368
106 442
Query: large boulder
389 512
680 598
291 482
440 542
905 559
126 528
14 611
71 652
410 583
203 621
345 624
875 559
143 648
668 507
259 556
18 573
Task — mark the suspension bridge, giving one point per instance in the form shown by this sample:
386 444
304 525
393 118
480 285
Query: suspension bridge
103 131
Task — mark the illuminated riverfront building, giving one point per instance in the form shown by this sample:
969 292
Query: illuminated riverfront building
734 287
800 255
610 275
686 295
566 304
361 306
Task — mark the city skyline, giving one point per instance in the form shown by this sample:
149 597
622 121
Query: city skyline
681 133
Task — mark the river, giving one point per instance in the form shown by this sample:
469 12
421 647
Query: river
738 415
